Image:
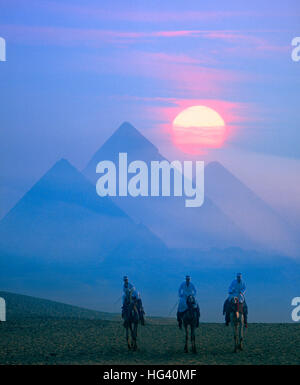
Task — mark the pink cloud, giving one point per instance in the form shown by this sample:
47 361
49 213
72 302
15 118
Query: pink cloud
181 73
179 33
61 36
116 13
178 74
241 44
78 36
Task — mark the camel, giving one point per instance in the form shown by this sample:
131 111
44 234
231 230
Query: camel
237 323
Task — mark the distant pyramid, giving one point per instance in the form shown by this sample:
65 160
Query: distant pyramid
250 213
125 139
61 219
167 217
127 136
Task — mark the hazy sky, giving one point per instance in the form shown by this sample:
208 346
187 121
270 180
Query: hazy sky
76 70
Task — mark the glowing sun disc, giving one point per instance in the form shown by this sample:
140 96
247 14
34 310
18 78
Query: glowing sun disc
197 129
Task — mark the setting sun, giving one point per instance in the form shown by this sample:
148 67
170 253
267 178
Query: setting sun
197 129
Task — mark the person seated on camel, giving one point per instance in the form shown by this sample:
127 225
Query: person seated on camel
186 289
127 289
236 289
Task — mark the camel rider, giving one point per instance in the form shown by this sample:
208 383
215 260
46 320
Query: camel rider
128 287
186 289
236 289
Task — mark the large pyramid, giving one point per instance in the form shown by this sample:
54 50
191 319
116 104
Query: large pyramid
61 219
203 227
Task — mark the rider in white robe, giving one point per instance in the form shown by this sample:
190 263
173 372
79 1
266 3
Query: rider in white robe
236 289
185 289
127 286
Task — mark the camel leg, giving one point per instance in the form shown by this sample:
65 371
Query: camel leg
127 337
236 332
193 339
134 337
186 339
241 334
235 336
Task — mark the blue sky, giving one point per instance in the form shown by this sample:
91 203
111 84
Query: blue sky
76 70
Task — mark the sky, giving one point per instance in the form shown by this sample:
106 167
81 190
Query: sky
76 70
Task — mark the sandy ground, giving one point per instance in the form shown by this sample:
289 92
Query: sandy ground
67 341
